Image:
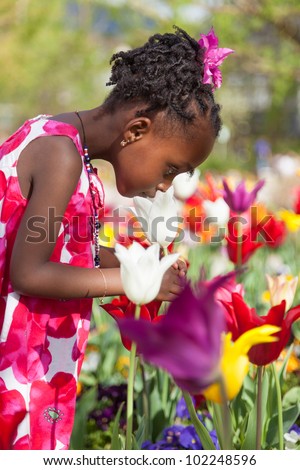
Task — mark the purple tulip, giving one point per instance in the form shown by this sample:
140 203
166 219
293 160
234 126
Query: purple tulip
186 341
240 200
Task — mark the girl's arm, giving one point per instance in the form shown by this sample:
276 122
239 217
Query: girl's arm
53 166
50 168
108 258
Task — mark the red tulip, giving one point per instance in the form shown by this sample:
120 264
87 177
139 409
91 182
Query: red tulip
248 241
122 308
241 318
272 231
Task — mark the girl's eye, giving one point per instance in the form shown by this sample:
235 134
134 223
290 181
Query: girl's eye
172 170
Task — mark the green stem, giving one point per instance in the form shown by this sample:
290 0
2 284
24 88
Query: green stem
146 403
259 408
165 392
216 414
226 428
165 251
201 430
296 242
279 406
130 386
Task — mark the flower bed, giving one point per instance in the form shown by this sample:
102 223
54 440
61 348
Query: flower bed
217 368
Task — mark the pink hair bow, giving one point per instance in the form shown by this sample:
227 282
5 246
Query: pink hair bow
213 58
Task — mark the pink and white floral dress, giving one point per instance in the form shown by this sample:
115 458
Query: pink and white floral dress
42 341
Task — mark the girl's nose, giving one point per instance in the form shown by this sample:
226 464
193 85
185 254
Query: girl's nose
163 186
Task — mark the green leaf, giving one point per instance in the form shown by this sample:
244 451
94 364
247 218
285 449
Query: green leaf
172 402
216 413
201 430
292 397
140 433
272 399
157 419
296 330
265 410
239 408
249 442
239 431
135 445
116 443
88 380
107 365
85 405
157 415
283 368
290 416
249 391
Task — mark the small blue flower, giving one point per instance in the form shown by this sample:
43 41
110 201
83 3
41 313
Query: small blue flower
169 441
179 437
181 409
183 413
148 445
292 437
189 439
214 438
295 428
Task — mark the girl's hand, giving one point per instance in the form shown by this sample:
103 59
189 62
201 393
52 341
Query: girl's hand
181 266
172 283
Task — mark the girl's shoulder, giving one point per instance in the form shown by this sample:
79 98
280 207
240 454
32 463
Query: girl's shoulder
39 126
44 125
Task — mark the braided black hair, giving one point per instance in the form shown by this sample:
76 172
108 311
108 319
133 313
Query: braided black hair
165 74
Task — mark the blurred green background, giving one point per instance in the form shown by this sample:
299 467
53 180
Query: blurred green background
54 57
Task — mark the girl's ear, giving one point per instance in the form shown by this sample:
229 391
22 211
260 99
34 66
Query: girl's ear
136 129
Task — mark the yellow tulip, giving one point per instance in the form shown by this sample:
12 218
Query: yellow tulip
291 220
122 365
79 389
282 287
293 364
234 364
107 235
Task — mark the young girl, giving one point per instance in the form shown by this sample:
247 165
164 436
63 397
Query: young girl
159 120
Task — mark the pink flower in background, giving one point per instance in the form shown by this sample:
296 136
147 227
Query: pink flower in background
225 291
213 58
297 201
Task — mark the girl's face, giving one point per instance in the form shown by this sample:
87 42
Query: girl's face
151 163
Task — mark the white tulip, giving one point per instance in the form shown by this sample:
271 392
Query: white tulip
185 184
158 217
217 210
142 270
